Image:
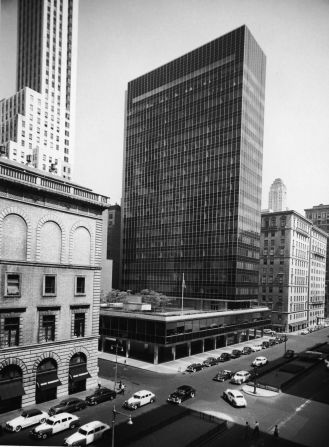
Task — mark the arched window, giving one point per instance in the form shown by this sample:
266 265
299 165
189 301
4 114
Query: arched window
51 242
81 246
14 237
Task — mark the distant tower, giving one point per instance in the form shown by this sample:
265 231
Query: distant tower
37 122
277 198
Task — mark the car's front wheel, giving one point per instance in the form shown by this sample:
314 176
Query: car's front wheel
44 436
192 394
74 425
43 420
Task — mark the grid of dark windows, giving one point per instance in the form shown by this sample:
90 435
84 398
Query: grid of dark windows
193 161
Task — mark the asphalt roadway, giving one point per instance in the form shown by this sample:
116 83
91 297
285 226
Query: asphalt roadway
301 413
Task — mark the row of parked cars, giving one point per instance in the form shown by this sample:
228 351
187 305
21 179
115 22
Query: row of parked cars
225 356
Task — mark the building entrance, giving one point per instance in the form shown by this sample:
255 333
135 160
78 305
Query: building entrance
11 388
47 381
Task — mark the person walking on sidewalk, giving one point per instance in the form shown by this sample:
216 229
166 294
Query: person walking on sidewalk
256 430
276 431
247 431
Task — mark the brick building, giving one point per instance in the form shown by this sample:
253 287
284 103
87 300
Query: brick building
50 274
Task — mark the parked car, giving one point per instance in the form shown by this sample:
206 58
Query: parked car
304 332
256 348
88 433
26 419
182 393
236 353
259 361
210 361
224 357
234 397
223 375
265 345
240 377
194 367
67 405
272 341
139 399
100 395
290 353
55 424
269 332
246 350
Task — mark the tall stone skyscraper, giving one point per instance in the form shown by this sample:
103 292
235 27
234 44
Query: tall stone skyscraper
193 174
277 198
37 123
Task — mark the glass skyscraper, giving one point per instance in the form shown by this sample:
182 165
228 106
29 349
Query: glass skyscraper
193 174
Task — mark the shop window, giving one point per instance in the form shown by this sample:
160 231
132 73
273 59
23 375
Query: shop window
13 284
49 285
11 332
80 285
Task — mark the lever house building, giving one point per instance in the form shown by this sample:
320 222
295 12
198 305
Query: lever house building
193 175
50 273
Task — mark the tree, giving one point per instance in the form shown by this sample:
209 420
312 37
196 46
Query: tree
156 299
116 296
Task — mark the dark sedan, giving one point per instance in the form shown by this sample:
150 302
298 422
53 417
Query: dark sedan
236 353
182 393
210 361
100 395
223 375
289 354
67 406
224 357
194 367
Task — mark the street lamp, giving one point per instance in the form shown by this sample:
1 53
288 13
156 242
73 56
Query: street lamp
255 375
117 345
114 415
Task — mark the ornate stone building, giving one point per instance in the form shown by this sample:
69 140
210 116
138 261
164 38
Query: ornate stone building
50 274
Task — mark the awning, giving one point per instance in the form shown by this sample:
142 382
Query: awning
10 389
47 380
79 372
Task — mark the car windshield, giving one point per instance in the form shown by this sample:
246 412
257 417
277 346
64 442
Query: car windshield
136 396
50 422
239 397
82 431
25 414
64 402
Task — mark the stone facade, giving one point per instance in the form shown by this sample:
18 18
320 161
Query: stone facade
50 276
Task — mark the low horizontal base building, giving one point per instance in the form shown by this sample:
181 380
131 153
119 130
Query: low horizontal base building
159 337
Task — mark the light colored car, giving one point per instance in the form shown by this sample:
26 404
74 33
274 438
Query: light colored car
139 399
88 433
240 377
259 361
26 419
55 424
256 348
304 332
235 397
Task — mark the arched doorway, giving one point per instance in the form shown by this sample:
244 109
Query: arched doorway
11 388
47 381
78 373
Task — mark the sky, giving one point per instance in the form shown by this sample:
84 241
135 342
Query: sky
120 40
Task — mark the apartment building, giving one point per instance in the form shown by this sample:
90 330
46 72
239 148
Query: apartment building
292 270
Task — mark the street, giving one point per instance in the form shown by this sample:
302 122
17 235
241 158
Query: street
301 412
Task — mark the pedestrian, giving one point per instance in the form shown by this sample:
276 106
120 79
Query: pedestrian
122 386
99 385
247 431
256 430
276 432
